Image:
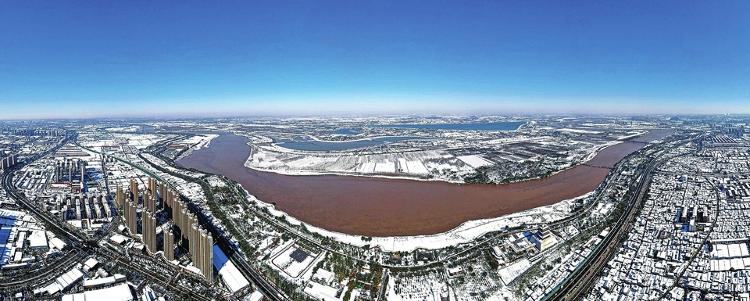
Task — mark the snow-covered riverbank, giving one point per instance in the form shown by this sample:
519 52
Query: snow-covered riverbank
464 233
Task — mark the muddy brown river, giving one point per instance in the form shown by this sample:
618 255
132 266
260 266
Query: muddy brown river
398 207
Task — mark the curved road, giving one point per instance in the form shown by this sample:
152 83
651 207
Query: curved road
80 243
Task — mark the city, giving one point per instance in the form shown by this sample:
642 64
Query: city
375 151
106 208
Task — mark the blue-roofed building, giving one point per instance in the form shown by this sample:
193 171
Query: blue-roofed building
8 220
227 271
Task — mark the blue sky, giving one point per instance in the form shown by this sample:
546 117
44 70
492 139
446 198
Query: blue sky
162 58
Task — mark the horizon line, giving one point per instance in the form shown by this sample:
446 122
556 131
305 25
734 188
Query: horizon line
167 117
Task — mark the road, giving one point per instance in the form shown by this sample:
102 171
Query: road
270 291
586 274
81 244
699 249
578 283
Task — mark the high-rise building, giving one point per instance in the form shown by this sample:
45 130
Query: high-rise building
88 203
184 222
83 171
147 201
205 253
149 231
69 166
177 216
154 194
201 249
130 216
125 211
200 242
173 201
544 239
193 243
166 200
57 171
134 191
83 176
104 200
163 194
119 198
152 185
8 161
169 244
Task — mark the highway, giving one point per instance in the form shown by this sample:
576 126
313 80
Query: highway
82 245
270 291
578 283
586 274
573 288
32 278
242 264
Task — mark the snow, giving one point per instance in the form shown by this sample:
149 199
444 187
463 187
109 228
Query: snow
57 243
141 141
230 275
511 272
401 165
90 263
200 141
37 239
368 167
64 281
578 131
255 296
119 292
475 161
416 168
464 233
322 292
292 267
98 282
385 167
600 148
118 239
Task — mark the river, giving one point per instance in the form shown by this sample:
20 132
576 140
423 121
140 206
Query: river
399 207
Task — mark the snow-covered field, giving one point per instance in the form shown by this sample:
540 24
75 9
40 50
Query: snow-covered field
432 164
200 141
579 131
139 141
453 159
475 161
197 142
142 141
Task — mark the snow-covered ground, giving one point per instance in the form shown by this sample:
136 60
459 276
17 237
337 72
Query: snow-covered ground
599 148
200 141
285 262
139 141
430 164
475 161
453 159
579 131
196 142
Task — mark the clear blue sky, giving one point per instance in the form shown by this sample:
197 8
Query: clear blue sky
156 58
